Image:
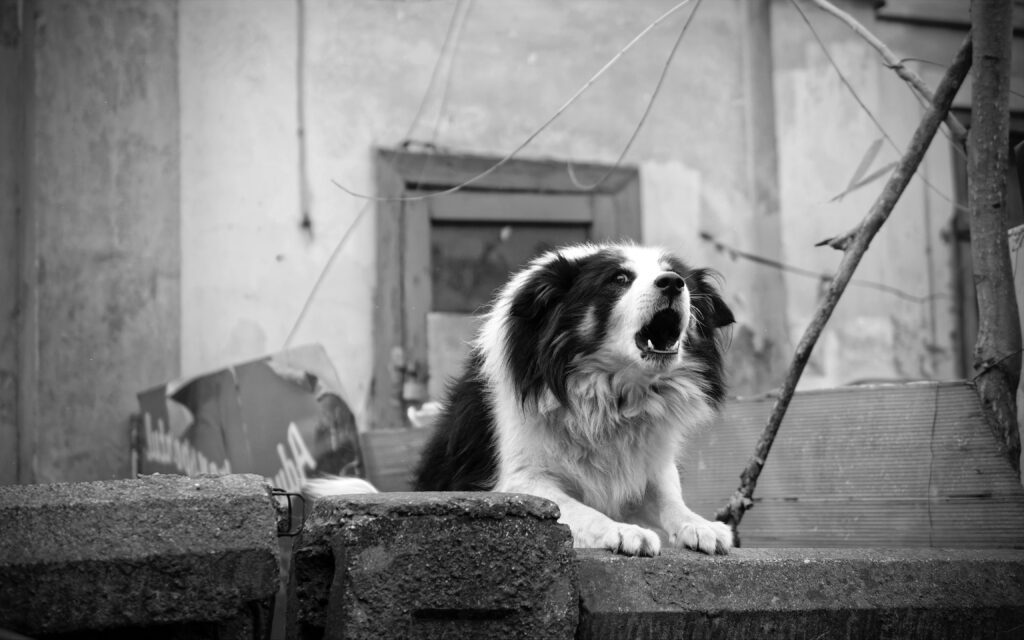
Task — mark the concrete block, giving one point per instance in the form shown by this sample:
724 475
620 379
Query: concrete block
804 593
188 557
423 565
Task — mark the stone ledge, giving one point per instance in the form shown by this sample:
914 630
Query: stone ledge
475 505
461 565
168 557
766 593
159 551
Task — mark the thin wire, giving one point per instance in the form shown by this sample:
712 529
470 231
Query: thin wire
817 275
939 64
323 274
643 118
450 34
500 163
931 467
864 107
456 38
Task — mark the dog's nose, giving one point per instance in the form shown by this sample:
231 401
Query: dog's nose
670 283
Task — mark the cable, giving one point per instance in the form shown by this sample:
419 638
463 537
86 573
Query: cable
500 163
323 274
643 118
450 34
454 35
456 39
817 275
448 37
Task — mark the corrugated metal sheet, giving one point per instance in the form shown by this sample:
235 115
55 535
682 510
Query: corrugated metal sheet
908 465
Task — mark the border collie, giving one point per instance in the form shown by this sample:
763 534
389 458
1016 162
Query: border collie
593 367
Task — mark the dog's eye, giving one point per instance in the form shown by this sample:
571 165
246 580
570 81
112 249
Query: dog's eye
622 278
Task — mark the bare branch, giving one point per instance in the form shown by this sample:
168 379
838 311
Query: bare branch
854 246
895 63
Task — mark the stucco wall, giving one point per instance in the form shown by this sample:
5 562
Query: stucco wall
101 217
247 265
824 133
10 151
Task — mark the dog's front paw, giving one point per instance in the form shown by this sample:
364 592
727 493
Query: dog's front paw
702 535
627 539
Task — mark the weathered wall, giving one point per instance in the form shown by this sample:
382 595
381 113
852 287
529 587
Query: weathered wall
248 266
101 235
244 257
10 150
823 135
163 556
171 557
361 84
165 182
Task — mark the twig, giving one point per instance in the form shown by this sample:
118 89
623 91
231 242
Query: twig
854 245
895 63
864 107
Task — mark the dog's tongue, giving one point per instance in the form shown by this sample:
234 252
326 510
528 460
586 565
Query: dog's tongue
661 334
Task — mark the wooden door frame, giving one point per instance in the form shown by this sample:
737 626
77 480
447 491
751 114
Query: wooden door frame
401 296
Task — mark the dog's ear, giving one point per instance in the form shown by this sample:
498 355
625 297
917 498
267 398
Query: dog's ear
534 350
544 289
711 309
721 315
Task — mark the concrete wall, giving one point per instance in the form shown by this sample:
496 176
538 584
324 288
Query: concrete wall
172 557
823 135
173 149
248 265
423 565
163 556
10 151
100 244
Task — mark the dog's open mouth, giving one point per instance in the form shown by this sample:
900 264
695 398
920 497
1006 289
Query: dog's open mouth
660 336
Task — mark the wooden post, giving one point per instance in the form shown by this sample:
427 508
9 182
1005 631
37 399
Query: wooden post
768 293
12 160
997 349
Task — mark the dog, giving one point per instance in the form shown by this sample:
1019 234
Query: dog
593 367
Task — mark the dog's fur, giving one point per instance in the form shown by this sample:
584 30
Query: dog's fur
591 370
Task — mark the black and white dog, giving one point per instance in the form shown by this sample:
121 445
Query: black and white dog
594 366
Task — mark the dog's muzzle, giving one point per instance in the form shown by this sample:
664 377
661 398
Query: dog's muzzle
661 336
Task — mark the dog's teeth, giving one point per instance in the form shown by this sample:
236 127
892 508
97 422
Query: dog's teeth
650 344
